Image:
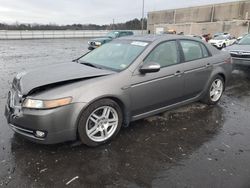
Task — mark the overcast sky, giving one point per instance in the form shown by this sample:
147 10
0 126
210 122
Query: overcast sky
85 11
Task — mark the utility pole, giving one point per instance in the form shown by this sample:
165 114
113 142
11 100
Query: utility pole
248 30
248 22
113 28
212 14
142 19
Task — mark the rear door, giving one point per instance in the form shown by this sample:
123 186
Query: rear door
197 67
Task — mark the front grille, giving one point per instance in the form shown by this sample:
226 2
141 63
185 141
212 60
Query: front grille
241 62
240 55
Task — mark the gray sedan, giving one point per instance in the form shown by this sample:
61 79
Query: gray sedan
125 80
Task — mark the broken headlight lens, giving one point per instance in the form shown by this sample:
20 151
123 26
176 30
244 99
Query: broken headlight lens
46 104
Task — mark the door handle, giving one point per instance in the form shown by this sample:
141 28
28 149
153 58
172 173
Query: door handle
208 65
178 73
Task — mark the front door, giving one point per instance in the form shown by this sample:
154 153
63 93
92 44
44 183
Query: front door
152 91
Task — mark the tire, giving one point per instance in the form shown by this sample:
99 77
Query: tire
224 46
211 99
100 122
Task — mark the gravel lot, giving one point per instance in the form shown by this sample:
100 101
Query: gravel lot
193 146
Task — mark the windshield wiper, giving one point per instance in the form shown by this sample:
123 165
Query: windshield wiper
90 64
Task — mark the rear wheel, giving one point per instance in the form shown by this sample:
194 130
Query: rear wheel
214 91
100 122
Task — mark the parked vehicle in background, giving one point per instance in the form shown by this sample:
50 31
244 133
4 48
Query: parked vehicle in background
220 33
170 31
128 79
197 36
94 43
222 41
240 52
207 37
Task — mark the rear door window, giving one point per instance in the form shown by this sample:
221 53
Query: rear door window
192 50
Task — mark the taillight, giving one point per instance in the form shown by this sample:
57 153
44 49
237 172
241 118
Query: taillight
229 60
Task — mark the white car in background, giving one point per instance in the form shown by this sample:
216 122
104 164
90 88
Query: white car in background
222 41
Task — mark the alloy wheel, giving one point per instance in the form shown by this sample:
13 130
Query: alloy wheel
102 123
216 90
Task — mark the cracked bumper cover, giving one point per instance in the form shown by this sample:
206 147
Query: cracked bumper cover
59 124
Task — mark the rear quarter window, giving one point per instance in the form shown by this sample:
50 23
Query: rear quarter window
204 50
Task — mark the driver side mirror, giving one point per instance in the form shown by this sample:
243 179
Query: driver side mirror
150 68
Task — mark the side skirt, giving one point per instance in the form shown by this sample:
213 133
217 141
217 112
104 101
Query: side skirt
163 109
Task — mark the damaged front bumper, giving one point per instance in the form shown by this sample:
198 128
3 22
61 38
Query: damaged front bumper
58 124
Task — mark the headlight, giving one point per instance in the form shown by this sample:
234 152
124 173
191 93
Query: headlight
98 43
46 104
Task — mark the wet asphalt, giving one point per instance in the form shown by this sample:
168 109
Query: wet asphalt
193 146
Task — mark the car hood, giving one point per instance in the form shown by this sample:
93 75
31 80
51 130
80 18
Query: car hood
101 39
238 47
26 82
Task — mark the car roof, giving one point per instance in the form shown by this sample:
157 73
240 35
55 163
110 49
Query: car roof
152 38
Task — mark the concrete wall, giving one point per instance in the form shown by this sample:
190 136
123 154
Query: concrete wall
161 17
232 11
187 19
236 28
201 14
53 34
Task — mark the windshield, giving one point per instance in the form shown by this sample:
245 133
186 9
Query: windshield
245 40
221 37
113 34
115 55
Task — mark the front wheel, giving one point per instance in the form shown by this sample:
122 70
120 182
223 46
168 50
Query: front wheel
214 91
100 122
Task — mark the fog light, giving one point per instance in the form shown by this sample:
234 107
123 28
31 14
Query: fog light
40 134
